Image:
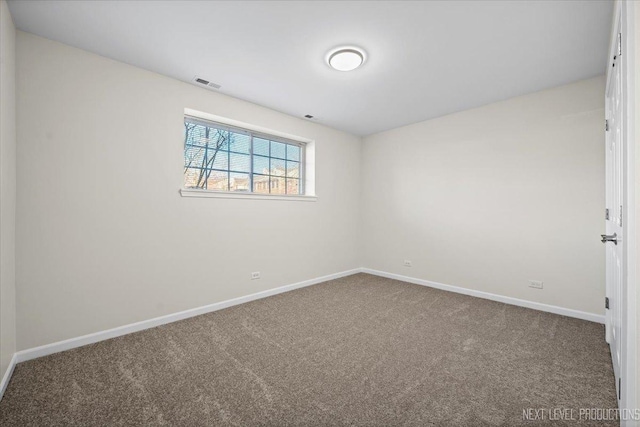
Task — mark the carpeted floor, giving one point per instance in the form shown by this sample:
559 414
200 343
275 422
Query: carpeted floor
360 350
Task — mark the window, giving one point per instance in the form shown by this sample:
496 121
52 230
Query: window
225 158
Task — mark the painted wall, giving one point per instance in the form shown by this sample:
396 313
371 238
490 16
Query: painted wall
105 239
485 199
493 197
7 188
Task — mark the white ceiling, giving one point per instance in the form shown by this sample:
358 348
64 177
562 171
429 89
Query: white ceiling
425 59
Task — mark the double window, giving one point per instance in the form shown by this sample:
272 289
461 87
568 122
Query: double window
224 158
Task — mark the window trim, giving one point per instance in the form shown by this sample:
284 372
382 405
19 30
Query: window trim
222 123
196 192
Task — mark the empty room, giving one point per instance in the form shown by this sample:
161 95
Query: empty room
319 213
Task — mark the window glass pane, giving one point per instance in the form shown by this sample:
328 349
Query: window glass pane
239 162
260 184
217 180
239 143
278 149
278 185
218 139
239 182
293 152
218 159
205 179
277 167
260 146
193 156
293 169
194 134
261 165
191 178
293 186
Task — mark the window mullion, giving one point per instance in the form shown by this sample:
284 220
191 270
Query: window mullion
301 171
269 167
206 158
251 163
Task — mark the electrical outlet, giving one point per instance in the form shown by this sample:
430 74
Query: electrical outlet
255 275
535 284
407 263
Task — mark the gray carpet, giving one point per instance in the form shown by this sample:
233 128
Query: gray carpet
362 351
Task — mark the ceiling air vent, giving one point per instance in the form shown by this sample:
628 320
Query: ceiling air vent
207 83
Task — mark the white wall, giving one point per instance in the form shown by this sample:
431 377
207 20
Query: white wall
7 188
105 239
490 198
485 199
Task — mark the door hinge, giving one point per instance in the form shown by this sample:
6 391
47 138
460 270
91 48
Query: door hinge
619 50
620 215
620 44
606 214
606 125
606 303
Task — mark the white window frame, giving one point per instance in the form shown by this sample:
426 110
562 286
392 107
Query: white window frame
307 167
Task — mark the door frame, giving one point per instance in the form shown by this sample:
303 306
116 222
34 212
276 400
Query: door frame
626 12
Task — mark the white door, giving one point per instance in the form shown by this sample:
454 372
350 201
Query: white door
614 204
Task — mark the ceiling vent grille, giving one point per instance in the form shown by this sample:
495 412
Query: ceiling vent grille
203 82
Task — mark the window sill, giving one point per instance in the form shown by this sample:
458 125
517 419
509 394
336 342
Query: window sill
190 192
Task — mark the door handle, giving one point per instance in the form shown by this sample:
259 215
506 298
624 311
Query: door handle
610 238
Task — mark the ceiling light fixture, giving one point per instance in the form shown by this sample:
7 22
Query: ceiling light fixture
346 58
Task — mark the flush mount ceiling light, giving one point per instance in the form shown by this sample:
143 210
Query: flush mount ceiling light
346 58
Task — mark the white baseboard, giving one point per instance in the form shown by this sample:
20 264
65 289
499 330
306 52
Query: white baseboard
59 346
494 297
7 375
